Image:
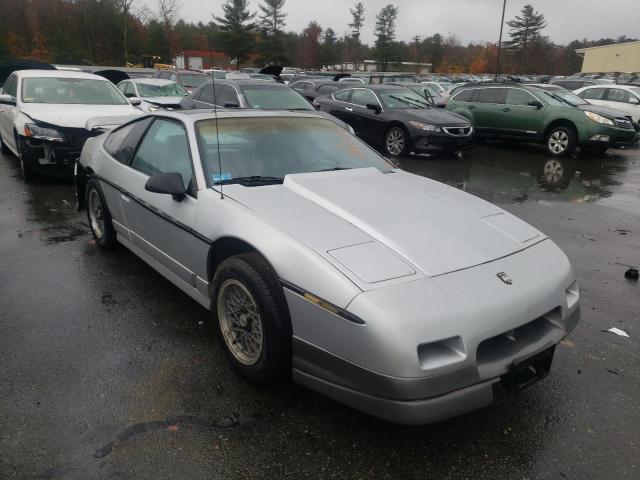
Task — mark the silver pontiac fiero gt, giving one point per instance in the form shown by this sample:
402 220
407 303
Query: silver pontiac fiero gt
321 261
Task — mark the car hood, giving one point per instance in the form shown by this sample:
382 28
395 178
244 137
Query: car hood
434 116
606 111
431 227
164 101
73 116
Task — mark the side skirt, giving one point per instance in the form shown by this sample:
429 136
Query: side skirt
166 273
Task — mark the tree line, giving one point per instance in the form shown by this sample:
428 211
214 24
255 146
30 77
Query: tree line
119 32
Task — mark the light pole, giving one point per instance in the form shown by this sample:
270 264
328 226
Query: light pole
504 6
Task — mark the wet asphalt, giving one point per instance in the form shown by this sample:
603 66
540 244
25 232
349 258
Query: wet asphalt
108 371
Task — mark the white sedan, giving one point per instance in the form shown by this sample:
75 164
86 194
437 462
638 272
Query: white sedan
319 260
625 98
44 113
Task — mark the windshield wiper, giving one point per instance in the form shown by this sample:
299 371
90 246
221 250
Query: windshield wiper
253 179
334 169
408 101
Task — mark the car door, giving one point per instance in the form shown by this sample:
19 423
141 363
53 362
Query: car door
489 108
519 118
159 225
368 124
120 145
9 112
595 95
339 106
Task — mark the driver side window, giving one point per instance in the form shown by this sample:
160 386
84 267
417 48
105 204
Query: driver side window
364 97
165 149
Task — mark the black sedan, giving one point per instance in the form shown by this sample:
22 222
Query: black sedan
398 120
252 94
311 89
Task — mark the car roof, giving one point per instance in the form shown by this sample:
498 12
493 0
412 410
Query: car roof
195 115
150 81
631 88
58 74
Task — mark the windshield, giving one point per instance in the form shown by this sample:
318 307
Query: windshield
274 98
402 99
168 90
80 91
570 98
192 80
274 147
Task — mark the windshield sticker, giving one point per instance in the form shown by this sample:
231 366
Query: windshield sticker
221 177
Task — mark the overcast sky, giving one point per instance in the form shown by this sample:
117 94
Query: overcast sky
470 20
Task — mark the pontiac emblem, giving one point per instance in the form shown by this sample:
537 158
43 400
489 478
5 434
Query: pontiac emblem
505 278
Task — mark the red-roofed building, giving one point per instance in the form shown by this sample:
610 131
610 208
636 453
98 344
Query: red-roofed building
206 59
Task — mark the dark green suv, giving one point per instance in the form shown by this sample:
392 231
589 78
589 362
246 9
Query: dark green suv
534 115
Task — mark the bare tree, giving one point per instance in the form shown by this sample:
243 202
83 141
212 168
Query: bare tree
125 7
169 14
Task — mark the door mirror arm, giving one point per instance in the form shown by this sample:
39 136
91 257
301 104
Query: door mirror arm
167 183
535 103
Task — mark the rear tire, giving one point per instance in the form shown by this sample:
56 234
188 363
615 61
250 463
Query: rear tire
99 217
561 141
252 318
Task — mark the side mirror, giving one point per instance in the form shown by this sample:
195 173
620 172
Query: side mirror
7 99
135 101
231 105
441 105
535 103
168 184
374 107
634 101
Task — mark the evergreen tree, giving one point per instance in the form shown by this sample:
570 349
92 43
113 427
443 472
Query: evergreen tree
357 15
386 48
272 48
329 53
237 30
525 29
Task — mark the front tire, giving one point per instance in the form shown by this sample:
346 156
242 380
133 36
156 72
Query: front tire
561 141
396 142
99 217
249 309
24 160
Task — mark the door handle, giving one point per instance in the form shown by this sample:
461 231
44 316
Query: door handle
348 109
125 198
472 107
506 109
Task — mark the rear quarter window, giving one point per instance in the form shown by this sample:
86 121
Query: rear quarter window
466 96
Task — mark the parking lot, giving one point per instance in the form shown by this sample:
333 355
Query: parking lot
111 372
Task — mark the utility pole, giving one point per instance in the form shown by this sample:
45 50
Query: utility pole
504 6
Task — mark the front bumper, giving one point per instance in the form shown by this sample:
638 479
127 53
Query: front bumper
410 401
604 135
57 157
433 348
425 142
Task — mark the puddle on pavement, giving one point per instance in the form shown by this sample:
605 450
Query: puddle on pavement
52 204
512 176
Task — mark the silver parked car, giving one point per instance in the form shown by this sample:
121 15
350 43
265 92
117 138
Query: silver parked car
395 294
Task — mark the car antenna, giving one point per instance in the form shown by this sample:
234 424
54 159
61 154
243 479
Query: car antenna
215 113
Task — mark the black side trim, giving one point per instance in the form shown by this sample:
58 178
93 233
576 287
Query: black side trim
157 212
339 311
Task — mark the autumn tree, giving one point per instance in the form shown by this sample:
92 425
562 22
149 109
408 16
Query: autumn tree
386 49
357 21
271 23
525 30
237 30
308 54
